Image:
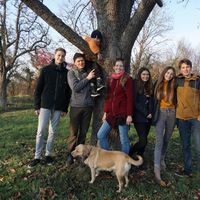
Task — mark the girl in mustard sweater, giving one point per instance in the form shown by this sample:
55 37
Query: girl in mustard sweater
164 118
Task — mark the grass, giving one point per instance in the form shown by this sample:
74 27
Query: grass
17 143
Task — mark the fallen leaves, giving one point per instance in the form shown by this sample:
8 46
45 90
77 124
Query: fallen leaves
12 170
45 193
1 178
197 194
16 196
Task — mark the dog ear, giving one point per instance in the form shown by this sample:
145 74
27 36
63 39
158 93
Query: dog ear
87 150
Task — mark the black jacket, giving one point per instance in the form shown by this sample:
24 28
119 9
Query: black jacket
52 90
142 105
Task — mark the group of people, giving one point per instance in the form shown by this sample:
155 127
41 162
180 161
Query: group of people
169 101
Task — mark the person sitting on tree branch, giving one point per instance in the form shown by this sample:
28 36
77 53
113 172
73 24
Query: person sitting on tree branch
94 43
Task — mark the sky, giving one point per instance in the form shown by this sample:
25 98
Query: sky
185 19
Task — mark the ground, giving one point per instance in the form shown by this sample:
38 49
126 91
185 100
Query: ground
17 142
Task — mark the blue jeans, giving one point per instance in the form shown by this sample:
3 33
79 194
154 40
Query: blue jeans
46 117
186 129
123 134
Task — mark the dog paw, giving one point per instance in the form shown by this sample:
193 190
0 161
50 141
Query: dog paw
118 191
97 174
91 182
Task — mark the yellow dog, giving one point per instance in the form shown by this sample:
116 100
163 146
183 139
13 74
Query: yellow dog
101 160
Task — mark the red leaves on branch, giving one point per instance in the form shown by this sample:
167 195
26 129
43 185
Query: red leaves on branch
41 58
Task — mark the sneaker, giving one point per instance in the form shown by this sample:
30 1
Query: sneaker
183 174
48 160
96 94
99 84
33 163
70 160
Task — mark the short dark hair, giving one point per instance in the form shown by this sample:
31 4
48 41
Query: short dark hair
119 59
185 61
78 55
60 49
96 34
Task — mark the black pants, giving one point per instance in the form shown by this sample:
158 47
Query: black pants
80 118
142 130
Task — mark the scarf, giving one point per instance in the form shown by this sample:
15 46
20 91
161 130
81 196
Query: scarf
117 75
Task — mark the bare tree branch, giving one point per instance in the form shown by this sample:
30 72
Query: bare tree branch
137 22
50 18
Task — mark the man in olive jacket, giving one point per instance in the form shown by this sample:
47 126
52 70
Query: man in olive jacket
52 96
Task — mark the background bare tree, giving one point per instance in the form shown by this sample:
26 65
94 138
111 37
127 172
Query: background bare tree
22 82
21 32
183 49
151 41
173 54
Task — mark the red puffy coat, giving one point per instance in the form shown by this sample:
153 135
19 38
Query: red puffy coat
119 101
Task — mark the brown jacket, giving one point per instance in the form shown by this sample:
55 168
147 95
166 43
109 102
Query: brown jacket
188 97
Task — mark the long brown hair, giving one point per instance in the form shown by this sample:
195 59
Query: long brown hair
142 86
159 88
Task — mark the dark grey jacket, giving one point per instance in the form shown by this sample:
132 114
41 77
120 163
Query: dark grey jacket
80 86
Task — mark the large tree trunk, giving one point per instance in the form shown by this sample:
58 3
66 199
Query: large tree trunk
97 119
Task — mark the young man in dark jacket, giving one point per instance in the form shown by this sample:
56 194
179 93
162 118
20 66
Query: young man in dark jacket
52 96
188 114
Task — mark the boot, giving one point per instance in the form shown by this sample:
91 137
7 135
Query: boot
158 177
100 84
94 92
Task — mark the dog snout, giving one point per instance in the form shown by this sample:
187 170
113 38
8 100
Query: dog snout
73 153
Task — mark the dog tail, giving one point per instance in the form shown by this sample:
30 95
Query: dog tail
136 162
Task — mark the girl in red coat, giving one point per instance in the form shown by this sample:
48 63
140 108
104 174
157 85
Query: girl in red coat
117 107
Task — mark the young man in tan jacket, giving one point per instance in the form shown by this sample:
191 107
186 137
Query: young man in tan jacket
188 114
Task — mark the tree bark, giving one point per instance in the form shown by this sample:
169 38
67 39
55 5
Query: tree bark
3 91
